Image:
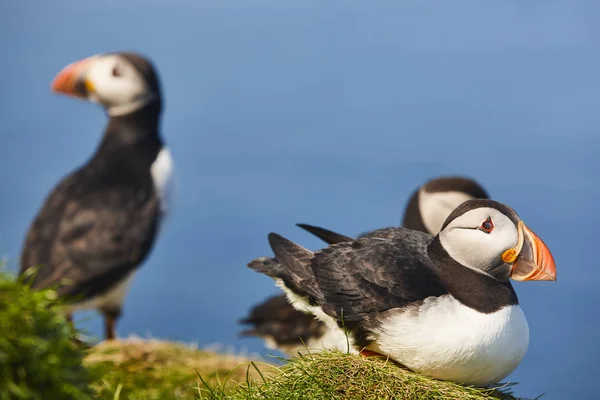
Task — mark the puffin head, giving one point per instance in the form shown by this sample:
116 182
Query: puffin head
490 238
438 197
121 82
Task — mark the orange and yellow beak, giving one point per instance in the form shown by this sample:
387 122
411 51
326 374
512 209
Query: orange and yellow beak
533 261
72 81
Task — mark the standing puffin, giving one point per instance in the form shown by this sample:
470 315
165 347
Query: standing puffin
99 223
290 331
440 305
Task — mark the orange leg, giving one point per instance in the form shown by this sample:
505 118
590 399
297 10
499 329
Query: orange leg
369 353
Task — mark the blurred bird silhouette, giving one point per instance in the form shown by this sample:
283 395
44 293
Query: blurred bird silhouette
99 223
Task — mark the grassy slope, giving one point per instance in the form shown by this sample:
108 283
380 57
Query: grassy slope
153 369
138 369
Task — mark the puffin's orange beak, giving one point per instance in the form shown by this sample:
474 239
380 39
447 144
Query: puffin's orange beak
534 261
71 80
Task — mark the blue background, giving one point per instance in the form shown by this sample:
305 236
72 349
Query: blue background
326 112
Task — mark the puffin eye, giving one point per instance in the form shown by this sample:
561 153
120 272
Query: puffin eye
116 71
487 226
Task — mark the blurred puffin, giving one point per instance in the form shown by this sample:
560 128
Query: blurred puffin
440 305
290 331
99 223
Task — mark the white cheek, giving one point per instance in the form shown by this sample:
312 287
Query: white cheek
119 95
118 91
476 249
121 98
467 247
435 207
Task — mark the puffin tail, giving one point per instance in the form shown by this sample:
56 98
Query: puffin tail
296 261
268 266
294 257
329 237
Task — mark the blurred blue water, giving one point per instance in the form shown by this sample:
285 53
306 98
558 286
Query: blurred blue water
329 113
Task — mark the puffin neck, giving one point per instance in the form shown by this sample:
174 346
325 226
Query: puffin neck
473 289
132 129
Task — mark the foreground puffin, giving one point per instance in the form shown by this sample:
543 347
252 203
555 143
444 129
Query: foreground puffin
100 222
442 306
291 331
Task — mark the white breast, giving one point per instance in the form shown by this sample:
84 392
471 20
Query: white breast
162 176
446 340
334 338
112 299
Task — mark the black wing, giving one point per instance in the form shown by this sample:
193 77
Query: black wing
388 268
91 232
329 237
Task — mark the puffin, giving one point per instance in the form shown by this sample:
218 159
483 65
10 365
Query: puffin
439 305
99 223
290 331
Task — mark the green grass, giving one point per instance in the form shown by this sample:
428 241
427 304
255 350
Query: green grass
331 376
38 357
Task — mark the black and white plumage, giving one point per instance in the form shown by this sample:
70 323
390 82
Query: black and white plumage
436 197
442 306
100 222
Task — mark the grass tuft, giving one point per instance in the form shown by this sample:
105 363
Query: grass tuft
38 356
332 375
